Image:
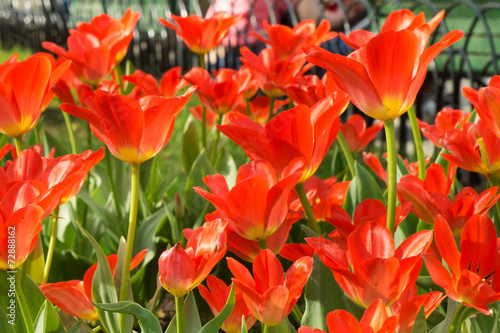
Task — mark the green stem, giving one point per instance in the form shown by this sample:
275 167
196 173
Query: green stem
458 319
204 127
179 310
118 77
132 223
18 140
311 221
112 187
23 304
271 107
52 246
89 137
216 141
391 174
152 179
297 313
265 329
347 153
249 111
202 61
71 135
37 133
417 137
263 244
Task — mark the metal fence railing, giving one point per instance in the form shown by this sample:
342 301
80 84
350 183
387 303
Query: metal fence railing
155 48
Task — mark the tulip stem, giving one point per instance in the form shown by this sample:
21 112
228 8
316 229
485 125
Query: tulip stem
311 221
461 314
216 141
265 329
347 153
297 313
118 77
262 244
52 245
112 187
204 127
202 61
247 104
417 137
18 140
271 107
179 310
71 135
23 304
132 223
391 174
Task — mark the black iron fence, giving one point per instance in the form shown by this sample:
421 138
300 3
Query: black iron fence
155 48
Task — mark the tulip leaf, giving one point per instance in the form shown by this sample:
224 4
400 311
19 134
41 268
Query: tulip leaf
172 327
215 324
190 144
48 320
5 326
37 263
191 315
489 323
320 300
362 187
103 287
444 326
243 325
34 295
420 325
283 327
147 320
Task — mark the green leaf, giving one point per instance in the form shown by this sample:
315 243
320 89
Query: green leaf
5 326
283 327
190 144
243 325
362 187
48 320
148 322
320 300
191 315
420 325
215 324
34 296
444 326
103 287
172 327
308 231
37 263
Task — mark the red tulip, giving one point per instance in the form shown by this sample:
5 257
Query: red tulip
96 47
259 108
384 76
288 41
300 132
146 85
374 163
75 297
134 131
375 320
258 204
473 274
271 72
309 89
220 94
183 270
445 120
57 179
24 89
20 223
357 135
370 267
429 198
486 101
216 296
269 295
322 193
396 21
475 149
201 34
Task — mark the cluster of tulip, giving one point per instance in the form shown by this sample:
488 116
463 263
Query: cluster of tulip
345 255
